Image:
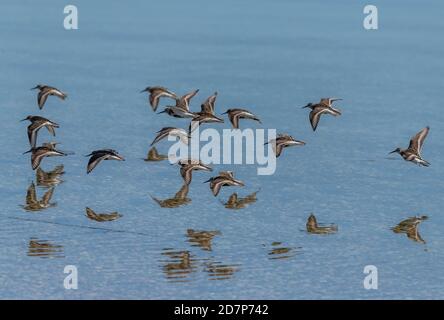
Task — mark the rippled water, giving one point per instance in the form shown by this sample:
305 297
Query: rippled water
138 239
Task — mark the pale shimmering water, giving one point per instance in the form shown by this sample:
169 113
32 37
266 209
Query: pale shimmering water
268 56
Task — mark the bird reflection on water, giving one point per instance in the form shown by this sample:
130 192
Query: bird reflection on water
279 251
179 199
33 204
220 271
49 178
315 228
101 217
235 202
410 228
44 249
153 155
201 239
178 265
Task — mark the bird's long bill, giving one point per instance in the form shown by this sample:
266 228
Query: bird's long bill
144 90
335 99
36 87
161 112
219 119
306 106
30 150
205 167
394 151
208 180
239 183
297 143
333 111
23 119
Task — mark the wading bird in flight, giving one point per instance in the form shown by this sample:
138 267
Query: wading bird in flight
99 155
203 118
46 91
413 152
171 131
187 167
182 107
45 150
283 141
323 107
156 93
236 114
225 178
37 123
208 105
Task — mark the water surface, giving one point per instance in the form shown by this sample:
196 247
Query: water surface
270 57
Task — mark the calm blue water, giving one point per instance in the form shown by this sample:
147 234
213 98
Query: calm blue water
270 57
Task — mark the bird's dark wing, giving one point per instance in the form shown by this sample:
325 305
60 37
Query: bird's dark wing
315 116
184 102
36 158
417 141
94 160
216 185
234 119
51 130
187 173
32 134
41 97
155 97
278 149
208 105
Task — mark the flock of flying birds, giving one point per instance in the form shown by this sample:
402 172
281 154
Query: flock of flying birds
181 109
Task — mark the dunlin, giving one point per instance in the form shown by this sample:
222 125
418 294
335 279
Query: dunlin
156 93
45 91
99 155
283 141
413 152
236 114
323 107
225 178
37 123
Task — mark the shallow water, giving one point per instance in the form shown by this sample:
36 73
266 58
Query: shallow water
270 57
